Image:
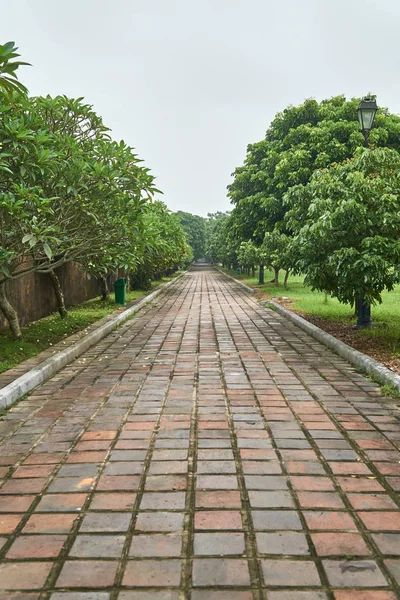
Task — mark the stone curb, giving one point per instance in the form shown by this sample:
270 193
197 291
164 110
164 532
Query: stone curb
27 382
246 287
353 356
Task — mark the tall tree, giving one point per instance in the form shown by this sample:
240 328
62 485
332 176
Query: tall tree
195 228
164 245
347 224
68 192
222 242
299 141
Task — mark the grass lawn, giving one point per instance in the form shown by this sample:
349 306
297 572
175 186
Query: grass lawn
39 335
382 341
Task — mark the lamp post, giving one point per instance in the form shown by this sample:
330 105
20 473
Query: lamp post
366 114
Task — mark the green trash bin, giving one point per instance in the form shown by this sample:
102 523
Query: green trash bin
120 291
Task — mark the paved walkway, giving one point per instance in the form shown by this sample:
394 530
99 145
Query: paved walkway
207 450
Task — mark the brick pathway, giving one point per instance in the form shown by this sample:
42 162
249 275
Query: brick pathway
207 450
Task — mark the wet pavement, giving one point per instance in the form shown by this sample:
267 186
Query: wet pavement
206 450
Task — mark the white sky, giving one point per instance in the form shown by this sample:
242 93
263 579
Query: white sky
189 83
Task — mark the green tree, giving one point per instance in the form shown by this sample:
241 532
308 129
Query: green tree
249 256
25 212
213 236
195 228
165 248
222 242
68 191
299 141
347 225
277 253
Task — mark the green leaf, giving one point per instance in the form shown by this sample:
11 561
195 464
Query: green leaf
47 251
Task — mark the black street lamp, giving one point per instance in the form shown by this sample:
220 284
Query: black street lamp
366 114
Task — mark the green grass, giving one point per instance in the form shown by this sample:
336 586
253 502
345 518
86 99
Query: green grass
386 316
39 335
390 390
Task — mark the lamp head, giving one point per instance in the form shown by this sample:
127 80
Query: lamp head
366 113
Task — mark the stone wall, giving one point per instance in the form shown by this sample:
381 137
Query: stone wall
33 296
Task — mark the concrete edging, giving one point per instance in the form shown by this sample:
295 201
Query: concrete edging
353 356
27 382
246 287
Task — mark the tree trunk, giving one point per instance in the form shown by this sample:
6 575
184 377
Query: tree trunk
128 280
261 275
105 292
253 271
357 304
10 314
286 278
276 280
364 314
59 294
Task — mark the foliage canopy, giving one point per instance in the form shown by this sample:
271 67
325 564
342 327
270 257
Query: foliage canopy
347 225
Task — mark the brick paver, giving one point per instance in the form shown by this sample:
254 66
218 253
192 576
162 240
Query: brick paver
206 450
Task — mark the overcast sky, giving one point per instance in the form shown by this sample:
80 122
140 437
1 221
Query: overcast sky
189 83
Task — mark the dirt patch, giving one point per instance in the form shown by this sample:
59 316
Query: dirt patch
370 345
